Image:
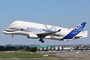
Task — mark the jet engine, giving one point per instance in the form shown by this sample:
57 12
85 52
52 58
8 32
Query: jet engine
32 36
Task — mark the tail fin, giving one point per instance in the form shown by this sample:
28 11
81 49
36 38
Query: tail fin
80 27
75 31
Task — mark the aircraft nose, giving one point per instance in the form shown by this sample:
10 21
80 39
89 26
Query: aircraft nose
4 32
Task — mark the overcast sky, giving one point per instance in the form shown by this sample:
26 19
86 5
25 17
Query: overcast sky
62 13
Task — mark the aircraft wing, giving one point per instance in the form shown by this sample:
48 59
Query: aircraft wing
42 35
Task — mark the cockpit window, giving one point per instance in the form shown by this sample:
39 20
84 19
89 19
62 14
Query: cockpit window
9 31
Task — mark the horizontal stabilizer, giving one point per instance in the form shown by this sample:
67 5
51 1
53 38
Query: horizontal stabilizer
85 33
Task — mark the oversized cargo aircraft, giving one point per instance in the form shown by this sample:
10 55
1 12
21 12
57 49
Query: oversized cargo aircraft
42 31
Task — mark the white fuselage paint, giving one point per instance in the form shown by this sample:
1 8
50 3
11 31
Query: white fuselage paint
26 28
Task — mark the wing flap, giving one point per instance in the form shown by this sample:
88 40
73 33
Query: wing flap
42 35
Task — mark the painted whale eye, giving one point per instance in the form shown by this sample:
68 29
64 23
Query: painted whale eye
21 29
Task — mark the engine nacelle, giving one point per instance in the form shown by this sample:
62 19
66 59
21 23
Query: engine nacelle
32 36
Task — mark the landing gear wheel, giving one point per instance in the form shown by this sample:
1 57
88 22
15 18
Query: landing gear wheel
41 40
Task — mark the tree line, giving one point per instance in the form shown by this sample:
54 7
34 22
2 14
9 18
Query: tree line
11 48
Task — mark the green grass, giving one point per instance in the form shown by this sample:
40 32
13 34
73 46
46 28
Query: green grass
23 55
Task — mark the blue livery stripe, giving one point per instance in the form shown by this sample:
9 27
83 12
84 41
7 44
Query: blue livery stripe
75 31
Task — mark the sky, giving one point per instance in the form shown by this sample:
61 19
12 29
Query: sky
62 13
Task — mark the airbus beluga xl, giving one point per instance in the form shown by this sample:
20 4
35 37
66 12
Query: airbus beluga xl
42 31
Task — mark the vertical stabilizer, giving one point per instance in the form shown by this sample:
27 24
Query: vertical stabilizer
76 31
80 27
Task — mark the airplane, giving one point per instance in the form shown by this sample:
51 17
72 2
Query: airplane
43 31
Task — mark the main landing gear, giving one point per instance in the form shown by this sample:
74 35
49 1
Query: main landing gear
41 40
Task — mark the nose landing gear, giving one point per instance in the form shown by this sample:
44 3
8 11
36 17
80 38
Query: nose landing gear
12 36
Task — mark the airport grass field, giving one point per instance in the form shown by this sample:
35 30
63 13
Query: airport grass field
23 55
